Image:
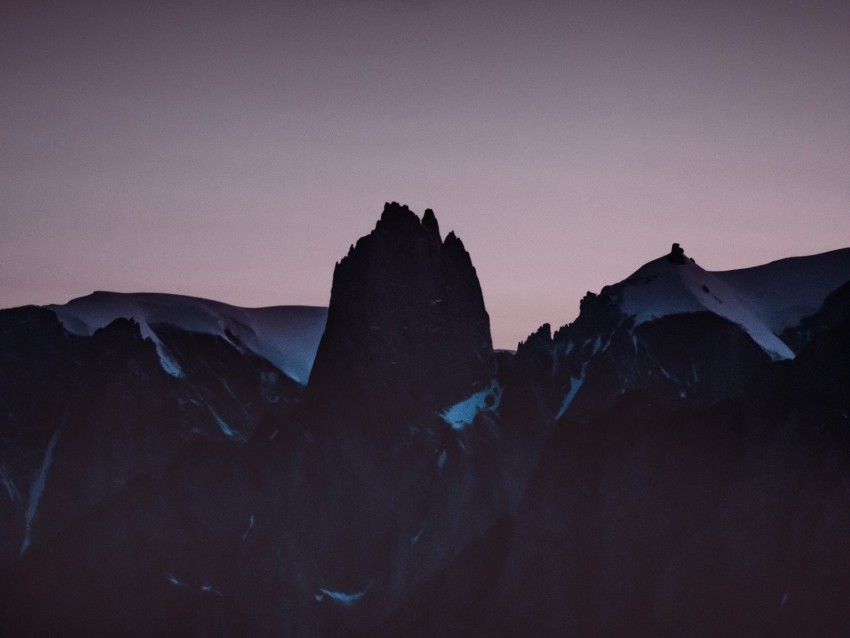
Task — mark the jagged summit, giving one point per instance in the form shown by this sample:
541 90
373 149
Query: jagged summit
407 307
398 221
429 221
397 216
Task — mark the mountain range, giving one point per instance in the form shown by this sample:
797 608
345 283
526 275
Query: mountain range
675 461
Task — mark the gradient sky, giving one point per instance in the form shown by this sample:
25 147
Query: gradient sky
235 150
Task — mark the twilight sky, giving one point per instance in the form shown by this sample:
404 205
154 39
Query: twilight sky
234 150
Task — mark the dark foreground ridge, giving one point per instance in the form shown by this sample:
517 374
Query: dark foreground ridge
673 462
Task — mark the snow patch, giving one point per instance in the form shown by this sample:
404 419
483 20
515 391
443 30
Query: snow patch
223 426
206 588
346 600
209 589
37 489
175 581
415 539
167 362
249 528
9 484
575 386
463 413
441 460
597 344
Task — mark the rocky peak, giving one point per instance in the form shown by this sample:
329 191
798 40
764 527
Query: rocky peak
677 255
407 332
397 217
429 222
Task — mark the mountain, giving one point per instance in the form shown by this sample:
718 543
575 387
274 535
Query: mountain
110 387
286 336
674 461
407 336
647 521
681 333
271 509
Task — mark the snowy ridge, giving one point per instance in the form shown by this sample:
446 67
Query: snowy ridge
346 600
37 488
787 290
662 288
286 336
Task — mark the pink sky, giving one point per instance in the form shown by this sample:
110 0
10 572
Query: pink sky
235 152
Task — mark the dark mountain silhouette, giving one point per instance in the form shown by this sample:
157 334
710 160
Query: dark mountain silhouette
407 334
672 462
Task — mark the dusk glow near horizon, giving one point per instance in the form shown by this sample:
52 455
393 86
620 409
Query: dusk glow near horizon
234 150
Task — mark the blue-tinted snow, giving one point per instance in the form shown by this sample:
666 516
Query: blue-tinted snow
167 362
441 460
205 587
575 386
659 289
286 336
223 426
346 600
787 290
415 539
37 489
463 413
248 529
9 484
597 344
174 580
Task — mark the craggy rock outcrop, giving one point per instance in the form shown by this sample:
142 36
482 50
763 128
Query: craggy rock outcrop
407 333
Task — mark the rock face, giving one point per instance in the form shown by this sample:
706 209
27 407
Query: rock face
646 521
673 462
682 335
85 416
407 333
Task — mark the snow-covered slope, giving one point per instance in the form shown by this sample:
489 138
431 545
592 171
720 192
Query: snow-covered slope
787 290
663 287
287 336
763 300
